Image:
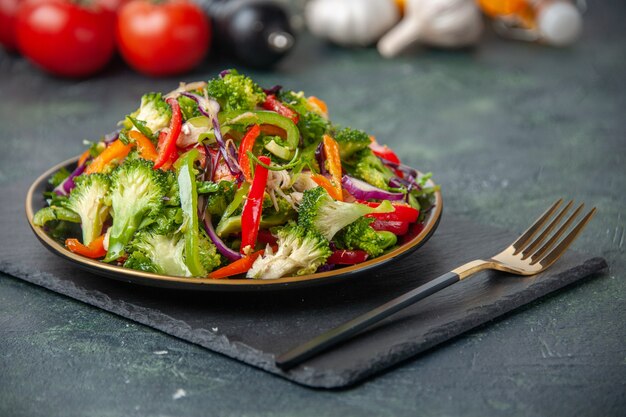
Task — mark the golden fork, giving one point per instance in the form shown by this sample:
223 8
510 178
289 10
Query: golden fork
528 255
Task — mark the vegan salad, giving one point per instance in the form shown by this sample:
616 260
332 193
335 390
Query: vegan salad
223 178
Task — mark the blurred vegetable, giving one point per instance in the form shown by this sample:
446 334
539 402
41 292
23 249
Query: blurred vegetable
441 23
8 10
162 38
66 38
256 32
351 22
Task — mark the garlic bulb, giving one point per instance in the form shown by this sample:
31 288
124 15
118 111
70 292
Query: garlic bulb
442 23
351 22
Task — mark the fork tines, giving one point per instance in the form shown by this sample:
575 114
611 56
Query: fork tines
527 243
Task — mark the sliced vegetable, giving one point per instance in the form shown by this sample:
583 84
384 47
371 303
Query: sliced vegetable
227 252
398 228
333 162
144 145
68 184
365 191
252 208
347 257
264 118
189 205
115 151
247 143
273 104
94 250
328 186
384 152
403 212
318 105
84 157
167 142
238 267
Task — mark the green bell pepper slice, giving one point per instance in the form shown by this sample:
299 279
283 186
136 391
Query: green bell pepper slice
262 117
189 205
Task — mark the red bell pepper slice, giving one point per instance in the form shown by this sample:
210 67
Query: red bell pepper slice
265 236
272 103
238 267
247 143
347 257
384 152
398 228
167 145
403 212
94 250
251 214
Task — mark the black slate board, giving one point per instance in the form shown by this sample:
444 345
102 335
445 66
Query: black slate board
254 327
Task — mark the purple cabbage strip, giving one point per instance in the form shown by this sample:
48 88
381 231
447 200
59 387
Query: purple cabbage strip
365 191
224 73
68 184
219 244
111 137
410 172
325 267
210 108
320 157
274 90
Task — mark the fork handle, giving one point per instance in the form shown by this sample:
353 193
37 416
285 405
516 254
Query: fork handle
349 329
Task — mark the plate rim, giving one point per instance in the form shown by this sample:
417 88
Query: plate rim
237 284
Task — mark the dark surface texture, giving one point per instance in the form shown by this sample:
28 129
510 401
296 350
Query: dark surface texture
506 129
264 325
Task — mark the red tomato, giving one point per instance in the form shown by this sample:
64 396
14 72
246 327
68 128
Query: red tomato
64 38
8 9
162 38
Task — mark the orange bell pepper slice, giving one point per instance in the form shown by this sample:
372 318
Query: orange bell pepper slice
116 150
240 266
83 157
94 250
333 162
325 183
319 104
144 145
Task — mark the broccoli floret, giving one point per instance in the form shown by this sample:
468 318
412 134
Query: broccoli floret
320 212
166 253
351 141
137 192
366 166
169 221
218 201
312 125
299 252
235 92
188 107
359 235
154 111
140 262
88 200
209 256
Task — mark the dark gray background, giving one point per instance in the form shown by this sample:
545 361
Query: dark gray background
505 128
